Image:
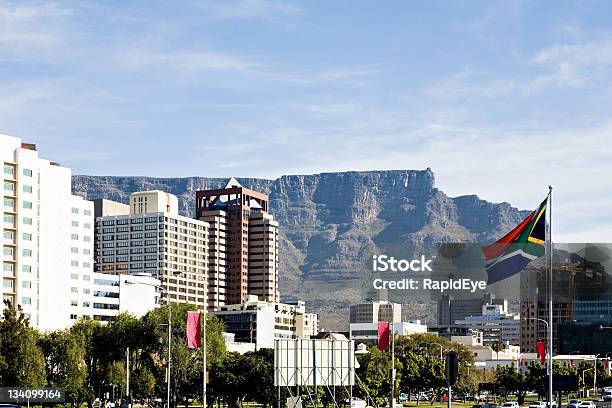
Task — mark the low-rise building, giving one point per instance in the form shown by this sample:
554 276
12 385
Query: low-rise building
114 294
260 322
496 324
368 332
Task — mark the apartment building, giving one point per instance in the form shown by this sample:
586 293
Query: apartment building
47 238
248 256
151 238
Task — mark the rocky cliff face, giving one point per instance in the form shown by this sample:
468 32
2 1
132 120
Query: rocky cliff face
329 222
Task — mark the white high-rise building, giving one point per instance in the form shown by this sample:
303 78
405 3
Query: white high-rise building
47 238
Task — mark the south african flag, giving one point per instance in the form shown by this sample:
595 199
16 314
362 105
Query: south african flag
510 254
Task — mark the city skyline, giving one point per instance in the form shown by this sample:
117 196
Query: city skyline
442 85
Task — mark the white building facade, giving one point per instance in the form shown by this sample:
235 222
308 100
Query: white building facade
47 238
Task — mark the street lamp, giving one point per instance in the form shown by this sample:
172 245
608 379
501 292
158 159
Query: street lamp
549 363
166 291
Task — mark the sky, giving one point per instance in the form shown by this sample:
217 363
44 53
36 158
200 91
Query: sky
499 99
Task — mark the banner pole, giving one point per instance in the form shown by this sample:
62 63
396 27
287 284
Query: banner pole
550 302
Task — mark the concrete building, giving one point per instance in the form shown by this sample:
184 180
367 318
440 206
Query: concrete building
251 242
260 322
496 324
47 238
153 239
368 332
374 312
114 294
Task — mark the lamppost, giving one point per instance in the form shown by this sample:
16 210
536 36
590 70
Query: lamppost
549 362
595 374
166 291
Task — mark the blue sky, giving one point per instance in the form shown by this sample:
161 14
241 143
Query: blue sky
498 98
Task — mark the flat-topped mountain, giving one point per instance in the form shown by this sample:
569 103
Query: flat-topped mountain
330 220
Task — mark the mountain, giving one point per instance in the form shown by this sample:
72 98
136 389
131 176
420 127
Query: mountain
331 222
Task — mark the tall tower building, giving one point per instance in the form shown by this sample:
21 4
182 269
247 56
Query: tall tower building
247 249
149 237
47 239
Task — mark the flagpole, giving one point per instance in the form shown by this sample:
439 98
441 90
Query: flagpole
550 302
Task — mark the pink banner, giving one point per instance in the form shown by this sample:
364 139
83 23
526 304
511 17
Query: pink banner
383 335
193 330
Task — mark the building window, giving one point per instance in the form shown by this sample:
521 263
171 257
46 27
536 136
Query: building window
26 284
87 225
27 237
9 170
27 252
86 264
75 210
74 223
9 204
9 236
26 268
7 283
86 278
8 267
9 220
26 301
8 186
87 238
27 220
86 251
74 303
74 290
74 250
74 276
74 263
74 237
87 212
27 205
27 188
27 172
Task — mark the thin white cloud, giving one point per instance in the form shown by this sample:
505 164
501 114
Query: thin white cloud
30 25
246 9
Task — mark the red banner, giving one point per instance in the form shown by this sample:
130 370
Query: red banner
193 330
542 351
383 335
606 363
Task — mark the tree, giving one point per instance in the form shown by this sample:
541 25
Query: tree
509 381
65 364
23 363
374 372
498 346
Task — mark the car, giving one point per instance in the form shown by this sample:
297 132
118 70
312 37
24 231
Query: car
511 404
574 403
607 395
403 397
537 404
587 404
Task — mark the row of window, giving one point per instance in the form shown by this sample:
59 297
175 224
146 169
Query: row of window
10 268
75 210
9 220
9 170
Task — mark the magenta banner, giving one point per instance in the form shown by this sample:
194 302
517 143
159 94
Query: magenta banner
193 330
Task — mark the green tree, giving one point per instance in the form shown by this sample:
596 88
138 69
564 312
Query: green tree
374 371
510 381
23 360
65 366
